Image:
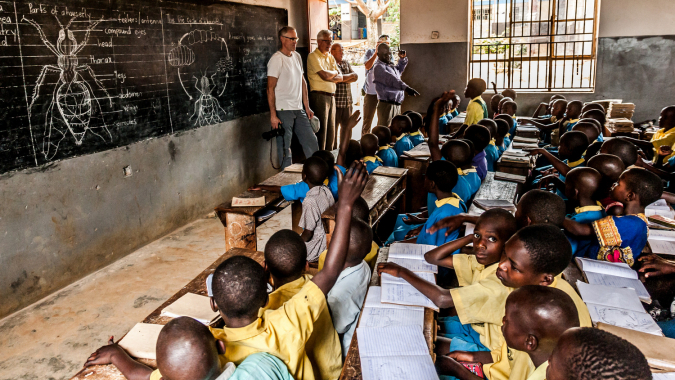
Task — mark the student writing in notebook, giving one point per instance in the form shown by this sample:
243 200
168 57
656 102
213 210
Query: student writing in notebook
240 290
535 318
588 353
479 300
186 350
620 238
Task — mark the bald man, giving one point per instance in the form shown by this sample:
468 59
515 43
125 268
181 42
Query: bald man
343 90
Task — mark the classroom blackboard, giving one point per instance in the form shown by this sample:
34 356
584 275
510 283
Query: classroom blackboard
83 76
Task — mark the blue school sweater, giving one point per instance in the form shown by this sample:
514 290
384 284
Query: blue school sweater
372 162
444 208
512 131
295 192
491 155
333 181
467 185
403 144
416 138
586 215
617 239
388 156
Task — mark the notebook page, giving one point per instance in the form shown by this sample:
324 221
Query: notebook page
468 230
625 298
661 235
414 265
663 376
619 282
405 294
389 279
391 341
398 368
382 317
628 319
373 300
667 213
191 305
605 267
662 246
409 251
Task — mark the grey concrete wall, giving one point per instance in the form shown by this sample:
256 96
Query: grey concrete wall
62 222
639 69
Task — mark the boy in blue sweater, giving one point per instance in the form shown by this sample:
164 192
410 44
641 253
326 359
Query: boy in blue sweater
399 124
385 151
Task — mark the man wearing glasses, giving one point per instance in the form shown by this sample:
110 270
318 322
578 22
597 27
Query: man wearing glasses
323 74
287 97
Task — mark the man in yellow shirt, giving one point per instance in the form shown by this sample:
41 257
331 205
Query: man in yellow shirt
240 290
323 74
477 109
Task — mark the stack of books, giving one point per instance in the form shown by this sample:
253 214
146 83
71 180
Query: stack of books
621 110
622 125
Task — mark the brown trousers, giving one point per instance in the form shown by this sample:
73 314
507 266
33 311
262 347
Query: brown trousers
386 112
369 108
342 115
324 109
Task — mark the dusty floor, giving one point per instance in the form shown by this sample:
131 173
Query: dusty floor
52 338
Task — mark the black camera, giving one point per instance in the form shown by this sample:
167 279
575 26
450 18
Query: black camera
269 135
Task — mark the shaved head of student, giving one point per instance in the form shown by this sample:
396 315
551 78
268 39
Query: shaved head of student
383 135
540 207
458 152
587 128
475 87
490 125
186 350
667 118
314 171
239 290
285 255
592 106
623 149
595 114
369 144
582 183
494 102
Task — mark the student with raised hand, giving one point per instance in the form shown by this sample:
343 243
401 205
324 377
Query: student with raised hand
240 290
535 319
345 137
589 353
186 350
621 238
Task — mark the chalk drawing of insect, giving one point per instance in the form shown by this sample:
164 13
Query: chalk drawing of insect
207 108
73 97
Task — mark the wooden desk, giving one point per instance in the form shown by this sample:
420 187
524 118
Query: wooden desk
352 365
197 286
492 188
456 122
241 222
417 166
380 193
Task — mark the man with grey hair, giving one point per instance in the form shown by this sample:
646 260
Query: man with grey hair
323 74
343 91
287 97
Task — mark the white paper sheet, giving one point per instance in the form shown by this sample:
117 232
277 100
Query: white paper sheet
605 267
384 317
662 246
391 341
409 251
193 306
629 319
389 279
414 265
619 282
625 298
663 376
468 230
398 368
661 235
405 294
374 299
667 213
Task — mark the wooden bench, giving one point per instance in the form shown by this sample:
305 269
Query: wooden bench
241 222
417 167
351 369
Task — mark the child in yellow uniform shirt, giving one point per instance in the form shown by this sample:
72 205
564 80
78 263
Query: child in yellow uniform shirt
477 109
240 290
479 301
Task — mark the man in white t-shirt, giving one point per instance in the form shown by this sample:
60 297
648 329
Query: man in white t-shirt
287 98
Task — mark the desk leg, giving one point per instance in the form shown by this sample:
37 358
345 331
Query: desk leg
240 232
296 213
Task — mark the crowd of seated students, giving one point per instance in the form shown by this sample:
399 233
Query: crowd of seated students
506 312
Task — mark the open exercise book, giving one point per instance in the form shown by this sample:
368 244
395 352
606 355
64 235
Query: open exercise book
617 306
616 275
375 313
141 341
193 306
399 291
662 242
394 352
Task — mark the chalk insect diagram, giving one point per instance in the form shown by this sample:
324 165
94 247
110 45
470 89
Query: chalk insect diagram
73 97
207 109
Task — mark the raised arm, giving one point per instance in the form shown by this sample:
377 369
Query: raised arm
345 135
542 106
442 255
439 296
401 65
453 222
370 61
560 166
352 186
433 124
542 126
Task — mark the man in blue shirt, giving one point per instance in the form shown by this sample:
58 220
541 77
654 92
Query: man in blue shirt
388 84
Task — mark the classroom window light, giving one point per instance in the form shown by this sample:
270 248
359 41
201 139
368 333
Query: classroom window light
534 45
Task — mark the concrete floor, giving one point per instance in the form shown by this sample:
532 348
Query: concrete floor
52 338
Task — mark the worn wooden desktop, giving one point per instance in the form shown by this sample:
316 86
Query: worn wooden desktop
241 222
416 196
351 370
494 189
380 193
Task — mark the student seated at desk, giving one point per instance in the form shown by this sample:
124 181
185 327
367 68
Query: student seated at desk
573 144
610 168
588 353
547 126
454 107
385 152
480 297
285 261
317 200
593 106
621 148
186 350
480 138
502 141
512 126
443 117
240 290
415 135
544 110
534 320
491 151
399 124
477 109
494 104
572 114
535 255
369 148
620 238
589 129
663 137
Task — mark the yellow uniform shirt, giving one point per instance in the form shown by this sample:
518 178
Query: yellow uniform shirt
540 372
282 332
480 299
324 343
663 137
317 61
516 365
474 111
371 257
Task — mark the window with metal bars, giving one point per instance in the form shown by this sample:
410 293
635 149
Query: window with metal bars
534 45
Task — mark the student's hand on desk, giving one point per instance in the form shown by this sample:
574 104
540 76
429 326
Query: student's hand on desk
353 183
413 219
105 354
390 269
653 265
451 223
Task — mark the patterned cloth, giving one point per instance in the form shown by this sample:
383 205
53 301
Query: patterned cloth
317 200
618 239
343 92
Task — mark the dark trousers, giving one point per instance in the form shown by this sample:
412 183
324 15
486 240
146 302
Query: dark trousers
342 115
324 109
369 108
386 112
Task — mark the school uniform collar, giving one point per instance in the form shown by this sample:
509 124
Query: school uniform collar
477 99
661 133
400 137
453 201
540 372
416 133
453 110
227 371
579 210
493 142
325 182
445 113
507 134
371 159
461 171
384 147
236 334
576 163
572 121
